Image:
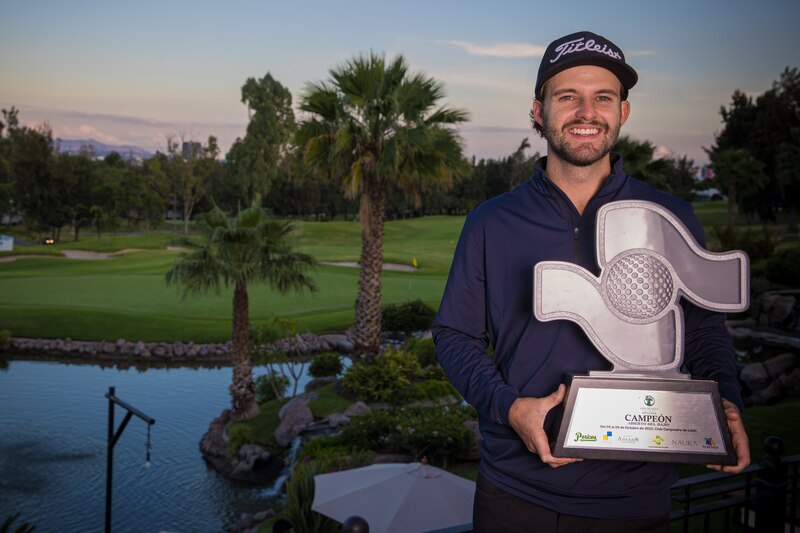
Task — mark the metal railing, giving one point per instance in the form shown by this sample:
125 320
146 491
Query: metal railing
113 437
762 498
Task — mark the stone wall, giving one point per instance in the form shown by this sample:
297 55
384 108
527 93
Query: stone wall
122 349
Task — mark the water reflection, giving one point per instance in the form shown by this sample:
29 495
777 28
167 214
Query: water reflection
53 427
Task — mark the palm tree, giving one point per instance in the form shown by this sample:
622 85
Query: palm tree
240 251
376 126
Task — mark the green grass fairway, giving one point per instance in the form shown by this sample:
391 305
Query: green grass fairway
431 240
127 296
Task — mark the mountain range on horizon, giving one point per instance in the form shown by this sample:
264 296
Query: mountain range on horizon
101 149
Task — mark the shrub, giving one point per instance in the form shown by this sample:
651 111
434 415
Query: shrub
335 454
385 378
270 387
415 315
435 432
757 246
325 364
300 496
238 435
273 329
784 267
325 448
438 434
423 350
367 431
431 389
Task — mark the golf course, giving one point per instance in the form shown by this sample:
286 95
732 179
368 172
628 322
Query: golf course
118 288
125 295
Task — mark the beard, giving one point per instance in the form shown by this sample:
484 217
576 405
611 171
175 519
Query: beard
584 154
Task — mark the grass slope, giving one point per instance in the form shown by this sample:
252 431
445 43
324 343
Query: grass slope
127 296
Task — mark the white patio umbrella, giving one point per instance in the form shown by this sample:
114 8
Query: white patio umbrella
396 497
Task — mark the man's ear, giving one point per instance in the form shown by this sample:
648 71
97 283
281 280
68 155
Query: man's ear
538 107
625 111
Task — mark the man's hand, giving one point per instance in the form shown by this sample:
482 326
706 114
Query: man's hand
741 444
527 415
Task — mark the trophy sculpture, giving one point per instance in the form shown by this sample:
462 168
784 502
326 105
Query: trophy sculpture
645 408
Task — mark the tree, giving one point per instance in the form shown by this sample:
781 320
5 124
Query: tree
77 175
241 251
10 121
144 193
681 177
763 128
190 164
37 191
375 125
670 174
739 174
253 161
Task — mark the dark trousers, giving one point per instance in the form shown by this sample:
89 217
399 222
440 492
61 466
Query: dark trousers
496 511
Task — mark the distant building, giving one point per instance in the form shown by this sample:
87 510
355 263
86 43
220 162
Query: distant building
191 149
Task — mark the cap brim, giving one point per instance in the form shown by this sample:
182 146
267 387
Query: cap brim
626 75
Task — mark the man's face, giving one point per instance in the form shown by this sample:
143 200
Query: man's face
581 114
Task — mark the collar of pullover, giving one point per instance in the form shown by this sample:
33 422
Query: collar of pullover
611 184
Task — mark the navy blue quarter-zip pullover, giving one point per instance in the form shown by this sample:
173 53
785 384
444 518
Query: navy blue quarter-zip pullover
488 300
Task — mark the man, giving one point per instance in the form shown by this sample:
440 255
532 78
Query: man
580 104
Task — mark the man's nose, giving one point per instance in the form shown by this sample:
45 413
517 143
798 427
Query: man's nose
586 109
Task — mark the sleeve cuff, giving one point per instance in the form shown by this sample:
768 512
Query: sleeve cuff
506 398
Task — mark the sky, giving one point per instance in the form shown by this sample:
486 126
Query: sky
133 73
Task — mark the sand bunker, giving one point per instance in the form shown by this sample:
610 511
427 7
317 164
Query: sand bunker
84 255
386 266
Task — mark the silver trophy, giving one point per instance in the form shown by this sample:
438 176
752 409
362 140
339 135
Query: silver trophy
644 408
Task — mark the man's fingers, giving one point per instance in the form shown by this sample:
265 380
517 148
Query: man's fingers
556 397
731 411
545 453
739 439
527 417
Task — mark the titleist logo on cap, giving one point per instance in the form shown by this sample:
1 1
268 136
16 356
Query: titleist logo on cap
578 45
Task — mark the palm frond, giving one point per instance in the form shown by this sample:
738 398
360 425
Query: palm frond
249 248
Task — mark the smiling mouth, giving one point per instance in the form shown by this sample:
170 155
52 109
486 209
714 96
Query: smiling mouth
584 131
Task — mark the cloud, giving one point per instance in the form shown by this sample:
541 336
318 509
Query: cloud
661 152
508 50
640 53
482 81
84 131
520 50
127 130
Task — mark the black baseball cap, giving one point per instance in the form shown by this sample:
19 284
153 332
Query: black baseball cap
584 48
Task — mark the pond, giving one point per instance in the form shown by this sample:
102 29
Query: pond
53 433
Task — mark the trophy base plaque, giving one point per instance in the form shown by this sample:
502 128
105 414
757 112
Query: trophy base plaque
644 419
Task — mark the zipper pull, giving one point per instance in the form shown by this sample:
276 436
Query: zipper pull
577 232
